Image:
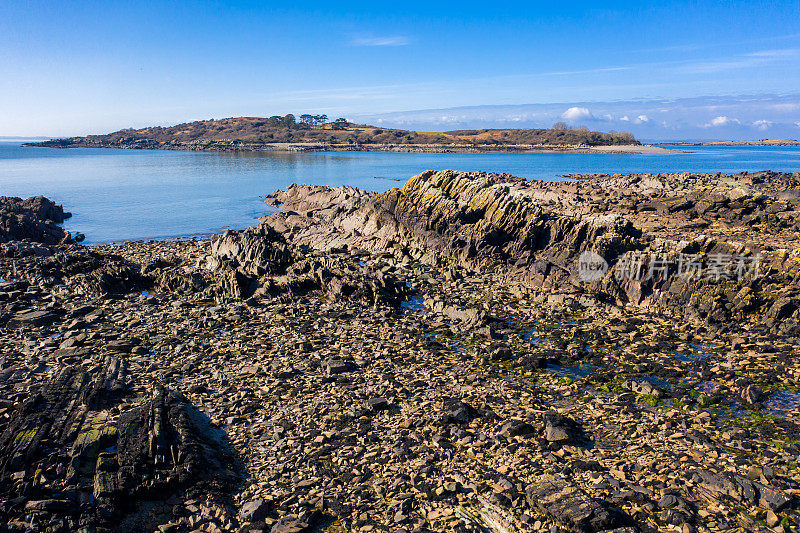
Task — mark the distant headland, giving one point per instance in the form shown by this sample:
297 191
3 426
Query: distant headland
314 133
760 142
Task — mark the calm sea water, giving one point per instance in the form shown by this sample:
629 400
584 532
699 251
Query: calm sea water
148 194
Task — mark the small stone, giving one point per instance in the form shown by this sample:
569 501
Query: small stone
502 353
515 428
772 519
668 501
336 366
254 511
559 428
377 404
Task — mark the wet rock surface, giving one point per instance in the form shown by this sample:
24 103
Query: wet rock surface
276 379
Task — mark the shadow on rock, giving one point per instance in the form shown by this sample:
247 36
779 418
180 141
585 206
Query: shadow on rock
75 456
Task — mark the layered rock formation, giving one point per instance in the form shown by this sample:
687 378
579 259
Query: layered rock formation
470 220
76 456
260 262
34 219
536 232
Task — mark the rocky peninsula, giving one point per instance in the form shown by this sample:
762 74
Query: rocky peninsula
470 352
315 134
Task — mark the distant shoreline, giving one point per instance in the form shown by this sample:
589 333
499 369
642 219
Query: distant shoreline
761 142
228 146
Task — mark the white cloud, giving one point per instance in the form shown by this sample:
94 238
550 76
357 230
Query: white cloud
642 118
751 60
576 113
679 119
763 124
397 40
721 121
776 54
786 107
589 71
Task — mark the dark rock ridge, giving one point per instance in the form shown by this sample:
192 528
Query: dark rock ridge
535 232
34 219
75 456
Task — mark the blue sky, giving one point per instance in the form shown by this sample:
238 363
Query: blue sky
91 67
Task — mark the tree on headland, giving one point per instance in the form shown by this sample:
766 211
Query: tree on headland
313 120
627 137
560 126
339 124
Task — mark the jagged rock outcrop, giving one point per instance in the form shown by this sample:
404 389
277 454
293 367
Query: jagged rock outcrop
475 220
254 251
34 219
762 287
75 456
260 262
173 275
534 232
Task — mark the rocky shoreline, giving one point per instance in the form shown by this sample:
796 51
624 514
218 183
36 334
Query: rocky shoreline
470 352
761 142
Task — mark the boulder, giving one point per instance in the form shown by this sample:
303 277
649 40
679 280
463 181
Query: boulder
34 219
255 510
561 429
570 506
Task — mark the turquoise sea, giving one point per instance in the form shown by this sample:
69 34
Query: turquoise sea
150 194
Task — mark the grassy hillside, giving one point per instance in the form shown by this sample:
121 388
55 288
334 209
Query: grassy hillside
264 131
